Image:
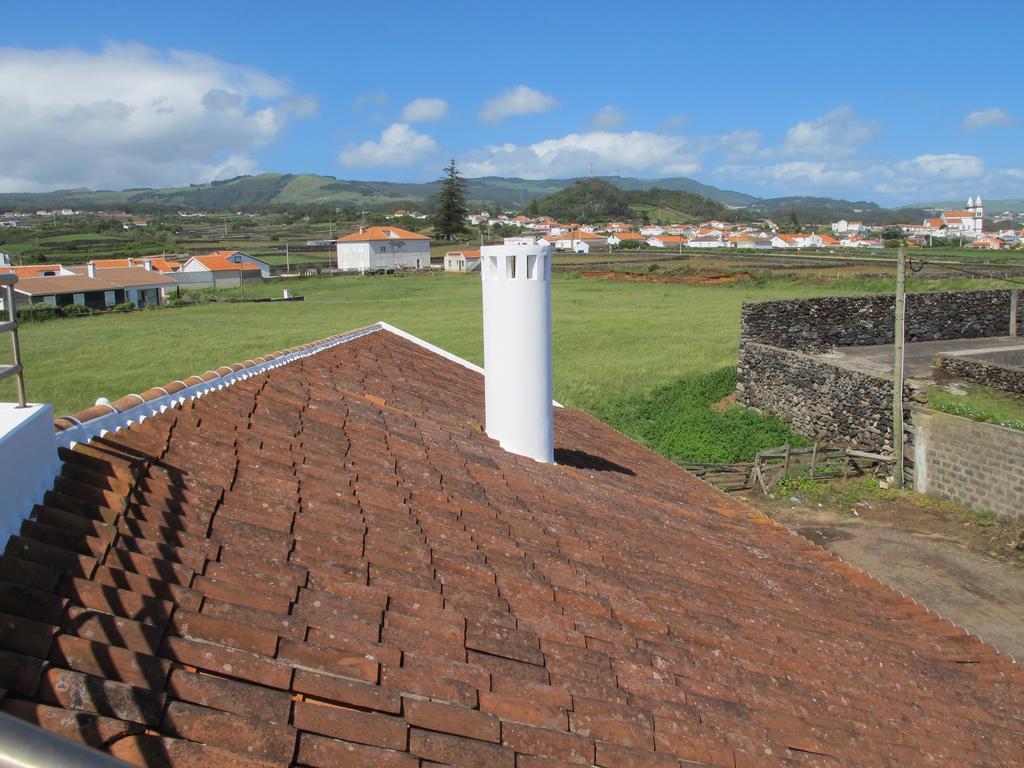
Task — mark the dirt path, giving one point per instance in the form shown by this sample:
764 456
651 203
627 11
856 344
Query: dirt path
965 569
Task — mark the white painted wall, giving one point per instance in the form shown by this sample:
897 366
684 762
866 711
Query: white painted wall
517 348
28 462
365 255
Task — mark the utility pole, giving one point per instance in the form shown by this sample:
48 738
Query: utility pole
1013 311
287 260
897 369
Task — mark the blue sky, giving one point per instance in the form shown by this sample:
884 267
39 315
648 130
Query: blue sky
892 102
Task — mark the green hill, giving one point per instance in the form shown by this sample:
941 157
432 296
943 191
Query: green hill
593 200
268 191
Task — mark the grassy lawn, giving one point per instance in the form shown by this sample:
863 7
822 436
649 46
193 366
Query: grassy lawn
980 404
620 349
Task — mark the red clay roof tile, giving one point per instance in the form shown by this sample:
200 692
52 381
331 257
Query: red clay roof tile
288 568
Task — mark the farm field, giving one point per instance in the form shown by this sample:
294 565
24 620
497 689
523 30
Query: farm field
615 343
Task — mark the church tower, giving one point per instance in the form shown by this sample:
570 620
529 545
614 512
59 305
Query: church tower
979 215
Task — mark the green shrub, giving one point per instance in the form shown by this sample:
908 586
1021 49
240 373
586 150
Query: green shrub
38 313
678 421
124 306
76 310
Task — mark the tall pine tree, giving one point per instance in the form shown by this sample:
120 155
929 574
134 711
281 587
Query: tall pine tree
451 211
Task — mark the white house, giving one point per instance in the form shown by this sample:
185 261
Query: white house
855 241
666 241
375 249
221 269
651 230
844 227
5 259
580 242
462 261
619 236
713 239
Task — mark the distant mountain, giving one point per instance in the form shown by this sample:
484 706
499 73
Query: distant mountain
279 190
991 206
821 210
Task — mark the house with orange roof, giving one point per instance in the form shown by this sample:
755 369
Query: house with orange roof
155 263
462 261
580 242
803 241
36 270
667 241
989 243
222 269
382 249
96 289
617 237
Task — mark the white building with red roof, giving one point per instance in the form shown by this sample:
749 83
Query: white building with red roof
378 249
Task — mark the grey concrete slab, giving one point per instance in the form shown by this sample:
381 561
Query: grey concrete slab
918 356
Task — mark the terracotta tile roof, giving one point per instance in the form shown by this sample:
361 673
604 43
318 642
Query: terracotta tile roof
60 284
383 233
31 270
221 260
330 564
472 254
159 263
126 276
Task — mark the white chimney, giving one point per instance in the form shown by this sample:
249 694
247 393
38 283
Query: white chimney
148 264
91 269
517 348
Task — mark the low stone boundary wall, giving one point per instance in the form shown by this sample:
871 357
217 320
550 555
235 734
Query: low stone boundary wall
979 466
982 372
819 324
817 399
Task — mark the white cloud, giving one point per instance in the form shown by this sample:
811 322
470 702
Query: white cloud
806 173
993 117
399 144
130 115
607 118
573 155
674 123
424 110
738 143
370 99
521 100
947 166
834 134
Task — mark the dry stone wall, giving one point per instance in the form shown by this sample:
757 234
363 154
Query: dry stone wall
984 373
817 399
979 466
816 325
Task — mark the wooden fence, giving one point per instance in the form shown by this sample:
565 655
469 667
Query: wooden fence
819 462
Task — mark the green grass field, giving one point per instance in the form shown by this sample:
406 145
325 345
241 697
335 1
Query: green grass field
980 404
614 343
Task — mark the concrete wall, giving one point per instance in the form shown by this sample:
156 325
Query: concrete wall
817 399
848 321
979 466
983 372
28 462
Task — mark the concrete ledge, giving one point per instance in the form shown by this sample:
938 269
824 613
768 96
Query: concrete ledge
28 462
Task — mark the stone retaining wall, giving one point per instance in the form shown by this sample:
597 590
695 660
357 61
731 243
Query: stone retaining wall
984 373
979 466
816 325
817 399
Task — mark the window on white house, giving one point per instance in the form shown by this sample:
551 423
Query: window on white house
109 298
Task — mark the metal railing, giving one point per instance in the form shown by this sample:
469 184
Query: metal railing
24 745
10 326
